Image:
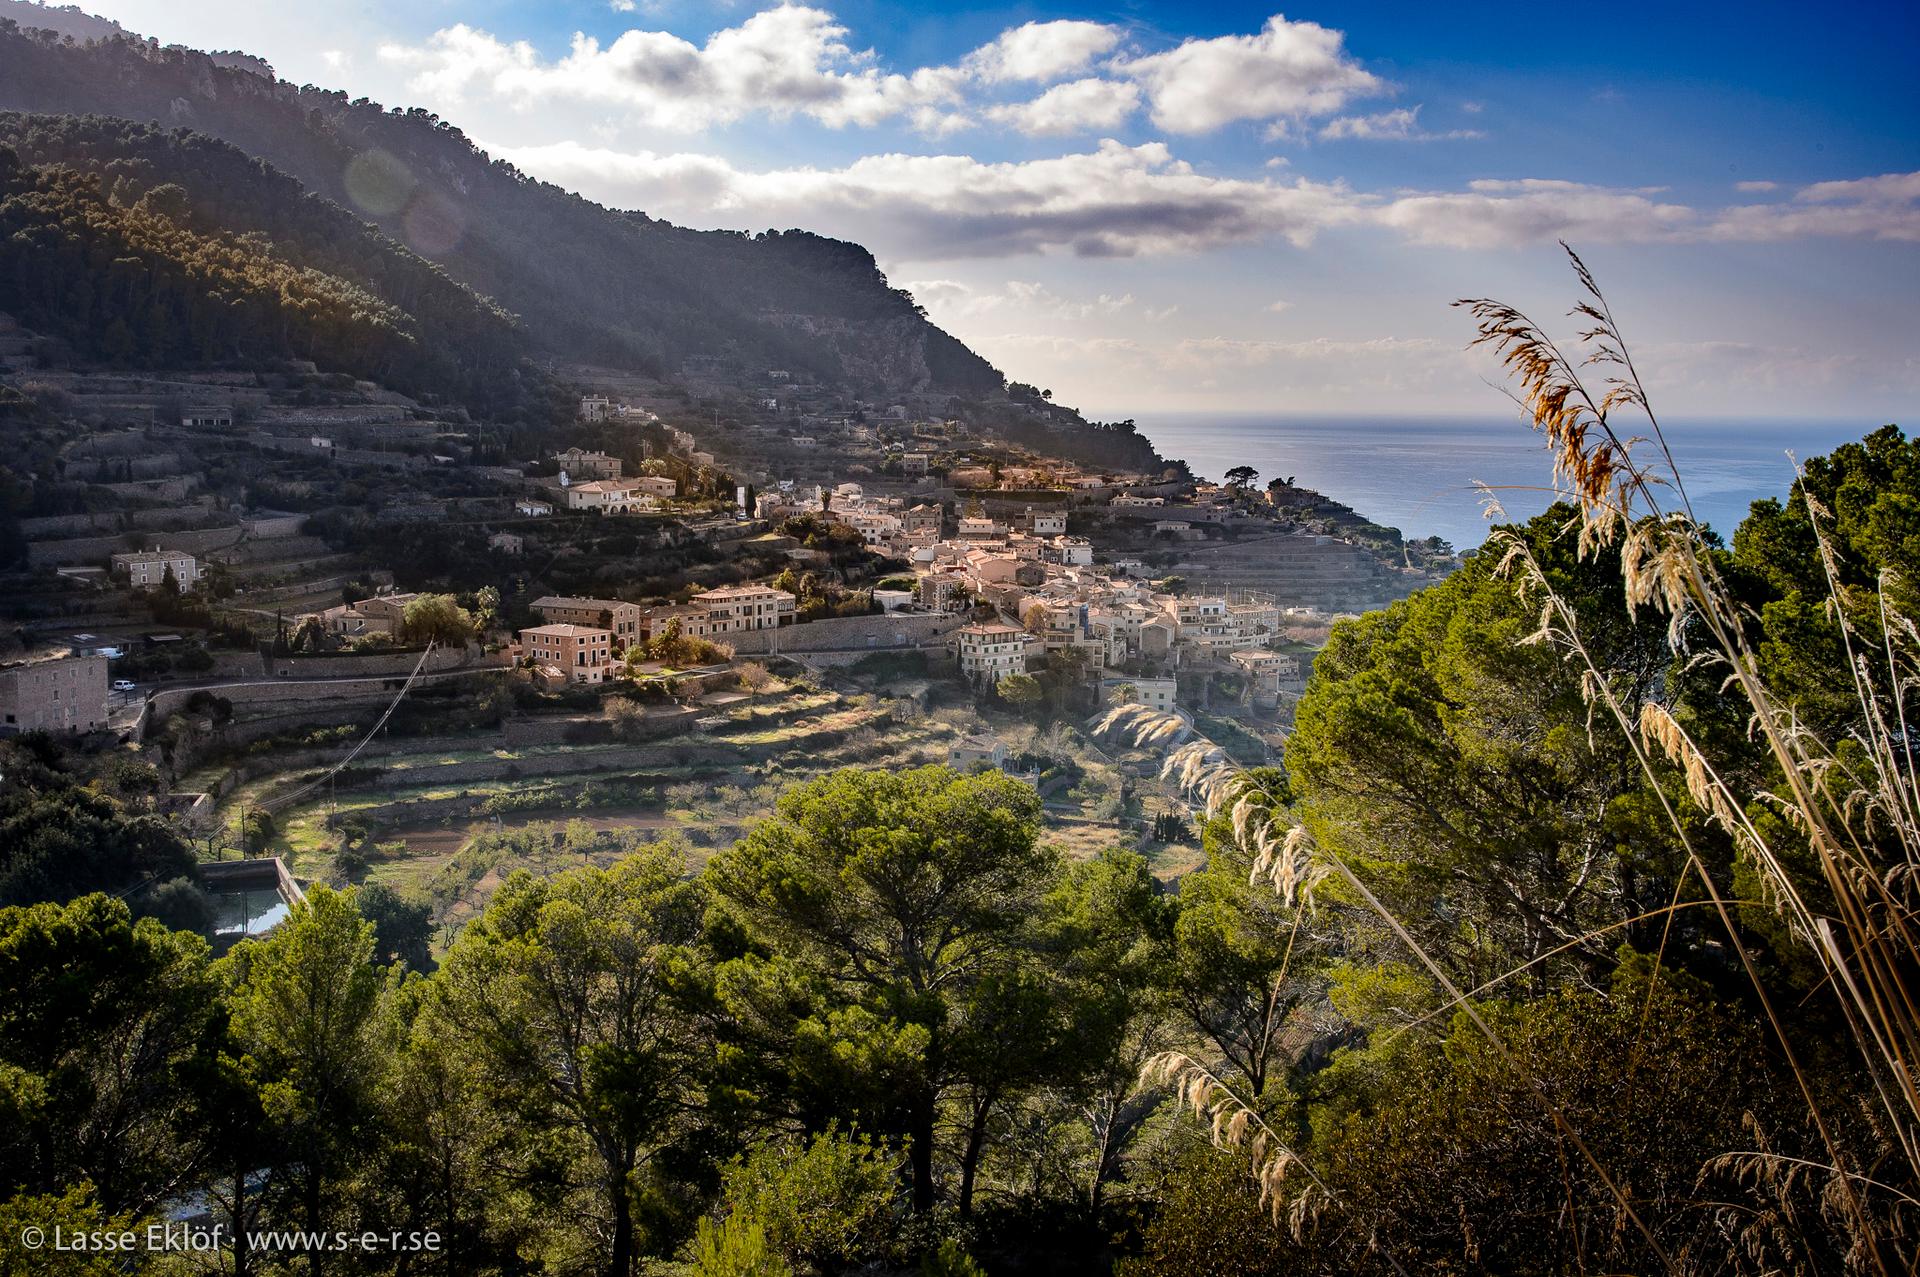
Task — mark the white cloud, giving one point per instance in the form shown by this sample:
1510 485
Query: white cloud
1497 213
1548 185
1233 352
1077 107
1756 187
958 306
797 59
1402 125
1042 51
1113 201
1288 70
1151 369
1888 188
1280 305
784 61
790 60
1732 365
1886 207
1500 214
1122 201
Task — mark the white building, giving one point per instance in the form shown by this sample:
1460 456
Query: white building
970 751
1197 610
976 529
874 528
1154 693
145 569
1047 523
991 652
1266 668
610 496
1073 552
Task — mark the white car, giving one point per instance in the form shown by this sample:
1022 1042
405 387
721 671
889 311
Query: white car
111 653
124 685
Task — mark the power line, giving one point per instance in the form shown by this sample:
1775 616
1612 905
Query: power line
283 800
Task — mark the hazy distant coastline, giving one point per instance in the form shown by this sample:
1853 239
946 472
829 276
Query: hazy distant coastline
1418 474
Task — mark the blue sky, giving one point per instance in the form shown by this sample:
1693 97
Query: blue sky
1153 207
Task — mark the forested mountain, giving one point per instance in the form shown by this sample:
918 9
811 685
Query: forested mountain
155 247
589 283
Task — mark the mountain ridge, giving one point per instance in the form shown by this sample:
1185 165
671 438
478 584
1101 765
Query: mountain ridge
589 282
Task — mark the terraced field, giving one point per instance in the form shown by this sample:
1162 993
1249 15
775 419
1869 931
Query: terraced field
428 815
406 810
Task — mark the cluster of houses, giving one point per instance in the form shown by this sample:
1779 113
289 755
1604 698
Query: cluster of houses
1043 583
1113 622
1050 596
1028 569
592 481
596 409
582 637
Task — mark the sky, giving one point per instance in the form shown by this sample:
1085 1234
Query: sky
1155 207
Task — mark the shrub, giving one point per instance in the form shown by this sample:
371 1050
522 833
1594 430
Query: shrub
735 1248
828 1205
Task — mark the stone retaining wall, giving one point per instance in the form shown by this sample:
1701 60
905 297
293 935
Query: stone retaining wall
368 664
155 465
171 489
259 549
302 692
520 733
97 550
836 660
110 521
69 525
841 633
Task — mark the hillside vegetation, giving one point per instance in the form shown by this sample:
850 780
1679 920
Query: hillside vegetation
590 283
154 248
1482 1010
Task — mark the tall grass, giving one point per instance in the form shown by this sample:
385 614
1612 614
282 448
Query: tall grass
1854 801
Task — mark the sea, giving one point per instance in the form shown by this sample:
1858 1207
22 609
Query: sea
1425 475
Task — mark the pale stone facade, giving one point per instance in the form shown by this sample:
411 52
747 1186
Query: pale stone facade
53 694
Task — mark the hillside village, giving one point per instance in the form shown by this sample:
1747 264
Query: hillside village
231 566
538 741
